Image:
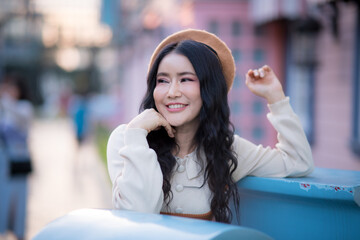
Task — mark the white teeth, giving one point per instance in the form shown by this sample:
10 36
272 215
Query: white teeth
176 106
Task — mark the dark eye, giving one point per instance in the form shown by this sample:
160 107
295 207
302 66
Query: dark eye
161 80
186 80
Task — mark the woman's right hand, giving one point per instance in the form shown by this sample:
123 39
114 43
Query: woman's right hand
151 120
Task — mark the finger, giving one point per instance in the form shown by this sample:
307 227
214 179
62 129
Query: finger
167 126
249 76
266 68
250 73
261 73
256 73
170 130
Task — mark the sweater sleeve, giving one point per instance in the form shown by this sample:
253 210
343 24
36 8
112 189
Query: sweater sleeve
134 171
291 156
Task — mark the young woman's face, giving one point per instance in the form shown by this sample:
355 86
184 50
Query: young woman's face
177 92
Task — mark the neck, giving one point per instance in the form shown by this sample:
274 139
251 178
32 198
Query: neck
184 138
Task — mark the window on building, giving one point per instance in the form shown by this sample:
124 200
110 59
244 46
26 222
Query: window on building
300 89
258 107
259 55
301 63
235 107
355 142
237 55
214 27
258 132
237 83
236 28
259 31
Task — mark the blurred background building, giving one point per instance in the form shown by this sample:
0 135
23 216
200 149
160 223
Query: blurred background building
100 49
21 48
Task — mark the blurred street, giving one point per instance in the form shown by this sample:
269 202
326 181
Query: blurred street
66 176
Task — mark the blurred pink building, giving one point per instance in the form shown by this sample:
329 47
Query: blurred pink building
321 62
337 88
232 22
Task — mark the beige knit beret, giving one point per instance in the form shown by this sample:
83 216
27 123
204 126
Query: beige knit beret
223 52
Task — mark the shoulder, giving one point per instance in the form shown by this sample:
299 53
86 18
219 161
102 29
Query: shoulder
239 143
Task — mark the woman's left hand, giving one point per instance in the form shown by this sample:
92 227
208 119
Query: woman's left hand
264 83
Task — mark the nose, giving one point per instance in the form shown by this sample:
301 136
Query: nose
174 90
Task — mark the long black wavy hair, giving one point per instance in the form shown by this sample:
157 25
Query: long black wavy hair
214 135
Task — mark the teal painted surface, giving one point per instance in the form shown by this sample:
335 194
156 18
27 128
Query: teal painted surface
115 224
324 205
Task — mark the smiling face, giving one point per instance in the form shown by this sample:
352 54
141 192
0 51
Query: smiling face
177 92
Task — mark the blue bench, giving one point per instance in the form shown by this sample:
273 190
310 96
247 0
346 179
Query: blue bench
323 205
117 224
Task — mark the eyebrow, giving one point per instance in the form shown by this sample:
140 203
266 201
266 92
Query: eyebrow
179 74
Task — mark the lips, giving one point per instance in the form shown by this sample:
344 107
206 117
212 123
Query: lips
176 106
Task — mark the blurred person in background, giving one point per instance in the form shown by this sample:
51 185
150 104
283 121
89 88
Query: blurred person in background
79 113
16 113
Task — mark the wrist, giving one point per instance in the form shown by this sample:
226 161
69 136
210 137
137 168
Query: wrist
132 125
273 98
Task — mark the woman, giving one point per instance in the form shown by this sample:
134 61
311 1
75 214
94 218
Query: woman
180 156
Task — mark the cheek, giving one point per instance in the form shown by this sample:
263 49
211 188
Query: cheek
194 93
199 105
198 99
157 95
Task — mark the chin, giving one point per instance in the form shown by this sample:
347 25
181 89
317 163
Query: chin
174 123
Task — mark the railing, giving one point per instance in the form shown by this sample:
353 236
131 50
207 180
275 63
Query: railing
323 205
